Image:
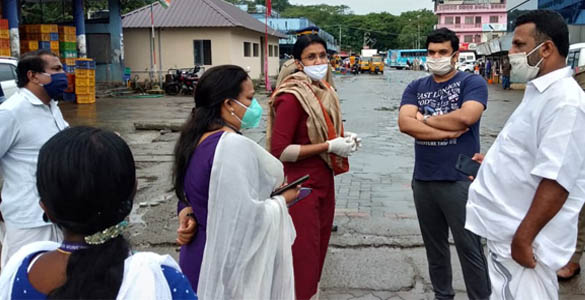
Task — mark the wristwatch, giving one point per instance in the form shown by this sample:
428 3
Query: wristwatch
425 118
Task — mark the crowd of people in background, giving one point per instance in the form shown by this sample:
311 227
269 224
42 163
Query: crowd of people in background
245 233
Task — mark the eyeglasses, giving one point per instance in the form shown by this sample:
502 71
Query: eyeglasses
313 57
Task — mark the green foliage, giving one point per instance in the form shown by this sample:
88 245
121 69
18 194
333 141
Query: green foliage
377 30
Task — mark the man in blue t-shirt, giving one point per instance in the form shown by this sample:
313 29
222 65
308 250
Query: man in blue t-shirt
442 113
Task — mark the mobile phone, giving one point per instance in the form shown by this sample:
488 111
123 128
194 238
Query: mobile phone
466 165
291 185
303 193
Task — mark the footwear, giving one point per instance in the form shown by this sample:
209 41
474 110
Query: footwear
569 271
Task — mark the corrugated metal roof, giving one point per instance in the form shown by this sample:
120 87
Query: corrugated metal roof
195 13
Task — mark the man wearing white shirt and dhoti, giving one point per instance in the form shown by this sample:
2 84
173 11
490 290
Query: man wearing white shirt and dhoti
27 120
531 186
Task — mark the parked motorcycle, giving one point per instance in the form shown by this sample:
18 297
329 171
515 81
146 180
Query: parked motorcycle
355 69
181 81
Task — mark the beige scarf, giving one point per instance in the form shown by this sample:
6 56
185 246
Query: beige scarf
314 99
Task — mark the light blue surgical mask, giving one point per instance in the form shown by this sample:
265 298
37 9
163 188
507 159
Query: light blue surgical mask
253 115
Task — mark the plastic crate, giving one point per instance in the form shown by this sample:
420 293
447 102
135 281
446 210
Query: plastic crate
4 34
71 97
32 28
5 52
4 43
68 61
85 83
4 24
70 83
68 54
85 73
48 28
68 46
31 45
44 45
80 89
71 38
85 64
54 36
85 98
55 46
69 68
64 30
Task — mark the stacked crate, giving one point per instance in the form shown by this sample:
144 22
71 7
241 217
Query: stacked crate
39 36
4 38
67 42
85 80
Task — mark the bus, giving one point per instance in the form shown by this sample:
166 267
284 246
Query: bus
398 58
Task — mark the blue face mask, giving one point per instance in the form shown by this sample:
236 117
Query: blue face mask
252 116
57 86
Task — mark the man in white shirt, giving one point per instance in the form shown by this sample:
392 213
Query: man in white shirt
28 119
530 188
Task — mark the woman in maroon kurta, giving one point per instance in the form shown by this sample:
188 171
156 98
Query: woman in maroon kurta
306 133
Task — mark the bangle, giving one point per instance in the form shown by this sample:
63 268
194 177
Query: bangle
425 118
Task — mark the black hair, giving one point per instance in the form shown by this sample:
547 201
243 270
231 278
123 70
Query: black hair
214 87
31 61
443 35
550 25
305 41
86 180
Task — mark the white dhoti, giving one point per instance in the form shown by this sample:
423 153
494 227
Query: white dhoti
513 281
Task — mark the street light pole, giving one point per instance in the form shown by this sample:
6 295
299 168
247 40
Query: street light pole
339 38
418 32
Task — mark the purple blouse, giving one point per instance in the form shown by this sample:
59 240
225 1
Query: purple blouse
197 190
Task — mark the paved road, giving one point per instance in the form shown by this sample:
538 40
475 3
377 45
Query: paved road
377 252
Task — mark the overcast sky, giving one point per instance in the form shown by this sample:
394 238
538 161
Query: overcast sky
362 7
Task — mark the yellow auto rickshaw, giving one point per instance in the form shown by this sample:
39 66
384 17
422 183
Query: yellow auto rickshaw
365 63
377 65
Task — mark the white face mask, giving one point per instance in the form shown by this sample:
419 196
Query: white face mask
316 72
521 71
440 66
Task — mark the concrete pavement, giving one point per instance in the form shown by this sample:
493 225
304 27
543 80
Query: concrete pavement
377 252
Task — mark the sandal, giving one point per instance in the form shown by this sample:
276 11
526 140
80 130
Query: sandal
570 267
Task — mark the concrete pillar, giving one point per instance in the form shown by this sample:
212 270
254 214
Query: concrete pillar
79 20
10 9
116 69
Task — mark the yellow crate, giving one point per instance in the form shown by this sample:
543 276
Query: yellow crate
4 34
84 73
68 61
80 89
85 82
4 52
55 45
31 45
85 98
68 38
67 30
49 28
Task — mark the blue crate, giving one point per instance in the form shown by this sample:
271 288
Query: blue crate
44 45
69 97
85 64
69 69
54 36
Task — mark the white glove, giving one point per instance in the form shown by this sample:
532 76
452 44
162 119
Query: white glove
356 139
341 146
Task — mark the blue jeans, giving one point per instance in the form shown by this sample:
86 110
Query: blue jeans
506 82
